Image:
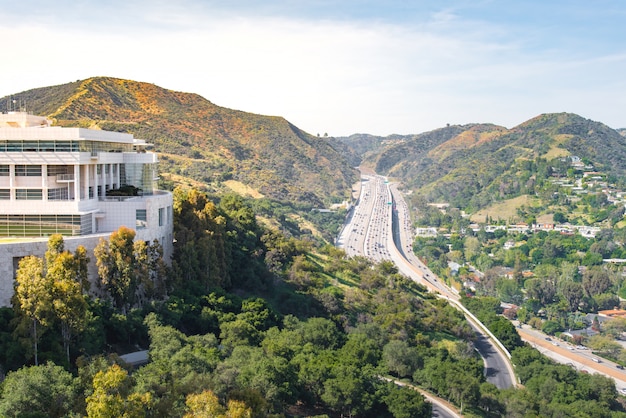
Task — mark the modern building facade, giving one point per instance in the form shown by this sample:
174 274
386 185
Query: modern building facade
81 183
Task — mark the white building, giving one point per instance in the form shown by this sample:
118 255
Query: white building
55 180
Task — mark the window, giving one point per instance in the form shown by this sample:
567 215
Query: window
44 225
141 220
28 170
55 170
4 170
63 146
30 146
5 194
161 216
60 193
28 194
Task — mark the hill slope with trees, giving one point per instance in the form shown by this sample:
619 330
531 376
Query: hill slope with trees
200 141
473 166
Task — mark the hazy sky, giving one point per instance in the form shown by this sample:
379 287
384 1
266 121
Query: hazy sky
341 66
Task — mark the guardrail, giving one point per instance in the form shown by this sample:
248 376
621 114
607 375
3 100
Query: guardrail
458 304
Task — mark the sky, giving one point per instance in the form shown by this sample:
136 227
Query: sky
337 67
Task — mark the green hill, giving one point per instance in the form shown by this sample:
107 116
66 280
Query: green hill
473 166
200 141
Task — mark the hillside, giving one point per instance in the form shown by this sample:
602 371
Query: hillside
200 141
473 166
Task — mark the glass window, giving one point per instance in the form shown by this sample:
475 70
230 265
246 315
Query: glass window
141 220
46 146
28 170
63 146
28 194
4 170
54 170
60 193
14 146
5 194
30 146
161 216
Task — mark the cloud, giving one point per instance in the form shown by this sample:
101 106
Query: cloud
324 75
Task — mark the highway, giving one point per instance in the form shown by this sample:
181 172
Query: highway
379 228
581 358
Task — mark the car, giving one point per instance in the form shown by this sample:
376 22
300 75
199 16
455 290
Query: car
597 360
548 339
619 366
622 391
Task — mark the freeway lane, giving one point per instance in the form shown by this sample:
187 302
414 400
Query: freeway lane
372 232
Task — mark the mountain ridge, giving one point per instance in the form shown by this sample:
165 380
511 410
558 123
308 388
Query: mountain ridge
211 143
472 166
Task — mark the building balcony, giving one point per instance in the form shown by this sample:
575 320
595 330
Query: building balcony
65 178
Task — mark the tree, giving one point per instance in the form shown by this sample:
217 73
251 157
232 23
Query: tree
405 402
117 267
559 218
34 294
112 396
344 391
206 405
203 405
400 359
596 281
472 248
464 389
69 304
38 391
54 288
572 292
604 344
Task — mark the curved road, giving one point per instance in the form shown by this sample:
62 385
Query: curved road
378 227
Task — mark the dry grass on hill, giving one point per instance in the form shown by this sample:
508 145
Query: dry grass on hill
506 210
243 189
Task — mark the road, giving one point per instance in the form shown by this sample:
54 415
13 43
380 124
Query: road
578 357
379 228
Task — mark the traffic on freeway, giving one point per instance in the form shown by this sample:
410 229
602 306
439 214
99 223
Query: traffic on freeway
379 228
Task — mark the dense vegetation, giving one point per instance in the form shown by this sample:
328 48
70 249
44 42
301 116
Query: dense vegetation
247 319
250 322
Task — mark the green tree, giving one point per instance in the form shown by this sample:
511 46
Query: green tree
400 359
596 281
405 402
69 303
472 248
38 391
573 294
118 267
33 292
